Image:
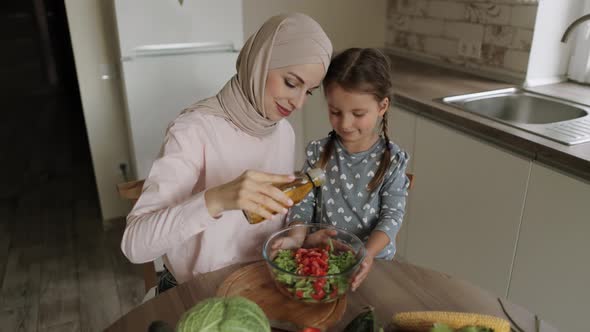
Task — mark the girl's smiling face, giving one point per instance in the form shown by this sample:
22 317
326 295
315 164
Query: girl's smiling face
287 88
354 116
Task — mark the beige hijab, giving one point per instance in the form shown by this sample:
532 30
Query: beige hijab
283 40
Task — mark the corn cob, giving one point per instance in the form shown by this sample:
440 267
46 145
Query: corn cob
424 320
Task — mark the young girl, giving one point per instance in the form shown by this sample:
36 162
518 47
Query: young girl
366 185
214 161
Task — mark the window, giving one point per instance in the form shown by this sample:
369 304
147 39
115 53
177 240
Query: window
579 65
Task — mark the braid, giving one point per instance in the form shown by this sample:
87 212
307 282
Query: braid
363 70
328 149
385 158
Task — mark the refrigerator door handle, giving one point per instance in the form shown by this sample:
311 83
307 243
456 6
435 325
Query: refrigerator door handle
157 50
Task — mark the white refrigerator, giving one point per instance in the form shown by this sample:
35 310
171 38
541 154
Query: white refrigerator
172 55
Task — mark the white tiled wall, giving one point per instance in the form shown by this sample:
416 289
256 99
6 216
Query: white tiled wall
434 28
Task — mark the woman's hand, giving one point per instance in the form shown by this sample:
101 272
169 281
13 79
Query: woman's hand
363 272
253 192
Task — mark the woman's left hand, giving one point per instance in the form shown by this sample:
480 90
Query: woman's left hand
363 272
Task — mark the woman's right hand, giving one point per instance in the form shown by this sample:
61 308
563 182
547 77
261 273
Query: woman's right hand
253 192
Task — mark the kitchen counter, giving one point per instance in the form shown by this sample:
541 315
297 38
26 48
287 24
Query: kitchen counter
417 86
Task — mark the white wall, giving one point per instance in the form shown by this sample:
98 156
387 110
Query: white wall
92 30
549 57
348 23
92 27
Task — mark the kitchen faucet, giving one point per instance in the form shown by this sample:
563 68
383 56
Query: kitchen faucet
573 25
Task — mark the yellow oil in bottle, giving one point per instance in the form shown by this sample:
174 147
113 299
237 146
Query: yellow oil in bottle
297 190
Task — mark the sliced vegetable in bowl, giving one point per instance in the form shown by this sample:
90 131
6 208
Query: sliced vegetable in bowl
315 273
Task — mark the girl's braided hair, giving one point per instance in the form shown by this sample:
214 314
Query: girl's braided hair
364 70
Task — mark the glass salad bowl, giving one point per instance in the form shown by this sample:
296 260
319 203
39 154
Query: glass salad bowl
313 263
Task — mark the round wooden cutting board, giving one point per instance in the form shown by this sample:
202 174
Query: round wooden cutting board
255 283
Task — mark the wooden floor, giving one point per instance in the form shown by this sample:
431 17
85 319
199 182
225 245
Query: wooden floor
59 270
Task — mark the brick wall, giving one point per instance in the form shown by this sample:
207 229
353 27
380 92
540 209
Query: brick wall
434 29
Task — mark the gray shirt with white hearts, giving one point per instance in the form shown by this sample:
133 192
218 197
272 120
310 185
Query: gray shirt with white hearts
346 202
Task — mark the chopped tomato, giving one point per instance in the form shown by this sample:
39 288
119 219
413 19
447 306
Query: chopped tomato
334 292
311 329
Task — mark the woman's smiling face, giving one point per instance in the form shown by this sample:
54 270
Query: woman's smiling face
287 88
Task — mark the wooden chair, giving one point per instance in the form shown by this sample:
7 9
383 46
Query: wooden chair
132 191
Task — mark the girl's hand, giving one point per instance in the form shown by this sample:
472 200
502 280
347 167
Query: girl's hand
363 272
286 242
294 240
319 238
253 192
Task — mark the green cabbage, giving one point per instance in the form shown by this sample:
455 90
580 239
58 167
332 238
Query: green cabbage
224 314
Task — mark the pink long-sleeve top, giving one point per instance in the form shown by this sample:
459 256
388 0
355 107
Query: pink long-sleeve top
171 219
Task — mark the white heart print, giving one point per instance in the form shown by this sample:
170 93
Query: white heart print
329 214
343 177
373 155
334 223
331 201
335 168
309 153
366 207
340 210
349 186
364 219
357 176
347 218
337 190
370 174
360 194
332 181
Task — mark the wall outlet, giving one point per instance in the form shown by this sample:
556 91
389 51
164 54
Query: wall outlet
123 170
469 48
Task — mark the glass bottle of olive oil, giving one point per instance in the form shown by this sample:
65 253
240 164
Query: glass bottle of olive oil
297 190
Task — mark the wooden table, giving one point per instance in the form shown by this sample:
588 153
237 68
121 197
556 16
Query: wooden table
391 287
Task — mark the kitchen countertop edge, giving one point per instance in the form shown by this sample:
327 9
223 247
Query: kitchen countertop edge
573 160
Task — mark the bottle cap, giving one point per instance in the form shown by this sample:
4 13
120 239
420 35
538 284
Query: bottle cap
317 176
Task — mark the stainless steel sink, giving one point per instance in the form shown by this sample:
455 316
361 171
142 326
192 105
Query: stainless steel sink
553 118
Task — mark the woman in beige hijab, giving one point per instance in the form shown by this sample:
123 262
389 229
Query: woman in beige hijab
221 154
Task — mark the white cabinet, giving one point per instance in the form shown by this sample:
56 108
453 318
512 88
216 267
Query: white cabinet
402 130
551 274
466 206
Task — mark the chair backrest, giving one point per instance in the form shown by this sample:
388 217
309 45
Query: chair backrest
132 191
411 178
